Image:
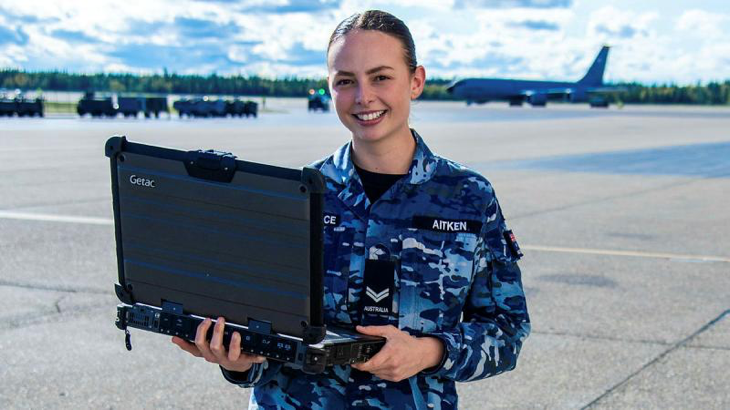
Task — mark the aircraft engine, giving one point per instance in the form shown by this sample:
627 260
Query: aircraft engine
538 100
578 96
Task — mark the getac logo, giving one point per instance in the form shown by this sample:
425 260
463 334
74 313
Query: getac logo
134 180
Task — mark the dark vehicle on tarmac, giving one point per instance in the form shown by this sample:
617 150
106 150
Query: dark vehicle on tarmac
318 100
206 108
130 106
235 108
29 108
211 108
155 105
21 107
149 106
200 108
183 107
7 107
97 107
251 108
240 108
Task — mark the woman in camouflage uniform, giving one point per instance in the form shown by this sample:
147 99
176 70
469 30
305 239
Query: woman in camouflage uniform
416 250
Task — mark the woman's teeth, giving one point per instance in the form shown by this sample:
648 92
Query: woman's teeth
369 117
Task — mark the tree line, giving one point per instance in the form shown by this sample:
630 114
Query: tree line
712 93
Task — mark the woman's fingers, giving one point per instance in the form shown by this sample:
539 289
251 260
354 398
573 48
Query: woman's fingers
201 341
216 342
215 351
187 346
234 349
254 358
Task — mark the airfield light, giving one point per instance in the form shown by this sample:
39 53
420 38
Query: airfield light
321 91
311 91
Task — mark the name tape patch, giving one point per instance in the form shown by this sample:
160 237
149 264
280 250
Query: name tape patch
446 225
331 219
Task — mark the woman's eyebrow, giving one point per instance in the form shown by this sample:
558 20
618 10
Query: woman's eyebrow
370 71
378 68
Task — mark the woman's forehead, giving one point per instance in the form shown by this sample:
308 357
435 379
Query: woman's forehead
362 50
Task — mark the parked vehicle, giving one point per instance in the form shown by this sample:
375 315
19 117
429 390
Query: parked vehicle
131 106
207 108
97 107
149 106
21 106
155 105
318 100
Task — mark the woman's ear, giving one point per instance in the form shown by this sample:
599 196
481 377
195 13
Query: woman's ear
418 80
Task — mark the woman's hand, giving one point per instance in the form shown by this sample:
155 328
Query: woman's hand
402 356
231 360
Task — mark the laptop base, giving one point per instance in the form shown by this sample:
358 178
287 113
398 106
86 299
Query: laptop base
339 347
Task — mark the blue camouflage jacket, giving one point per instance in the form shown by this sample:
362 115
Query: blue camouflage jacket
455 278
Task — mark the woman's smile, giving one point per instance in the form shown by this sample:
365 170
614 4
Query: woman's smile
369 118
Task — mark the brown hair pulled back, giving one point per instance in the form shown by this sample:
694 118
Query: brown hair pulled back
379 21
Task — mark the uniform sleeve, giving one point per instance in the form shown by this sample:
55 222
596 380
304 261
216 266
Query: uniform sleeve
495 320
258 374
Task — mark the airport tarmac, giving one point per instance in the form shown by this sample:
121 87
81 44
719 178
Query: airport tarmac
622 215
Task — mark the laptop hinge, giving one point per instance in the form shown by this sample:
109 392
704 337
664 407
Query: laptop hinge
123 294
314 334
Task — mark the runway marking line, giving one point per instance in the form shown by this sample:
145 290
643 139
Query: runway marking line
608 252
27 216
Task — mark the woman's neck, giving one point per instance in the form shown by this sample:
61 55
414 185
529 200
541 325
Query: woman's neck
388 156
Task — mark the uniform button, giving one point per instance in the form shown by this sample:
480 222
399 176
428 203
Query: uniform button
430 405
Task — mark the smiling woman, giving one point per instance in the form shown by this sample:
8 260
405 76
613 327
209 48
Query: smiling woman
416 250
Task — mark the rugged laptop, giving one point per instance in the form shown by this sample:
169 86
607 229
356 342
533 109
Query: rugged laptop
202 234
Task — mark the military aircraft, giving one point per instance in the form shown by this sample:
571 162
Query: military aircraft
588 89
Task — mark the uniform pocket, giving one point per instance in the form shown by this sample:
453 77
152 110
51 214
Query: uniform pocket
436 273
337 252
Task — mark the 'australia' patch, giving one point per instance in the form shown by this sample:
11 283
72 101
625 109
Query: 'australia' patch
514 247
377 302
446 225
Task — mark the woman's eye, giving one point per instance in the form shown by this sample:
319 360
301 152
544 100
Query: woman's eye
342 82
381 78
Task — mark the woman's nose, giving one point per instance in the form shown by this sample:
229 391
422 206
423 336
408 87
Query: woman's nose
364 94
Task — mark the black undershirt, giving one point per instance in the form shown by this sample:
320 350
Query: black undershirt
375 184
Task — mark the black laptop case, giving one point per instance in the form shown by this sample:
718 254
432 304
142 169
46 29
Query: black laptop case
203 234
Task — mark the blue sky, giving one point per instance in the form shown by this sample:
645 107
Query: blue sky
652 41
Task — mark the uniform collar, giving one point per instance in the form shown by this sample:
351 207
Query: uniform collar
341 169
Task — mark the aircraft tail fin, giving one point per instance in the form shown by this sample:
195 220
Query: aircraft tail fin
594 76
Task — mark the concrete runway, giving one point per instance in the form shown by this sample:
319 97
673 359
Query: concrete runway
622 214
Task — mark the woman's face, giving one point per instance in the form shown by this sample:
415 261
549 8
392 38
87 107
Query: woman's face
371 84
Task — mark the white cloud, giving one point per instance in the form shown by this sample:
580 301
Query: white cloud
703 24
611 23
552 39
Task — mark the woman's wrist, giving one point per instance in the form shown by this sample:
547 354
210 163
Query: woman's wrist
433 350
242 369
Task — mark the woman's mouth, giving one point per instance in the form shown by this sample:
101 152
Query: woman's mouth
369 118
